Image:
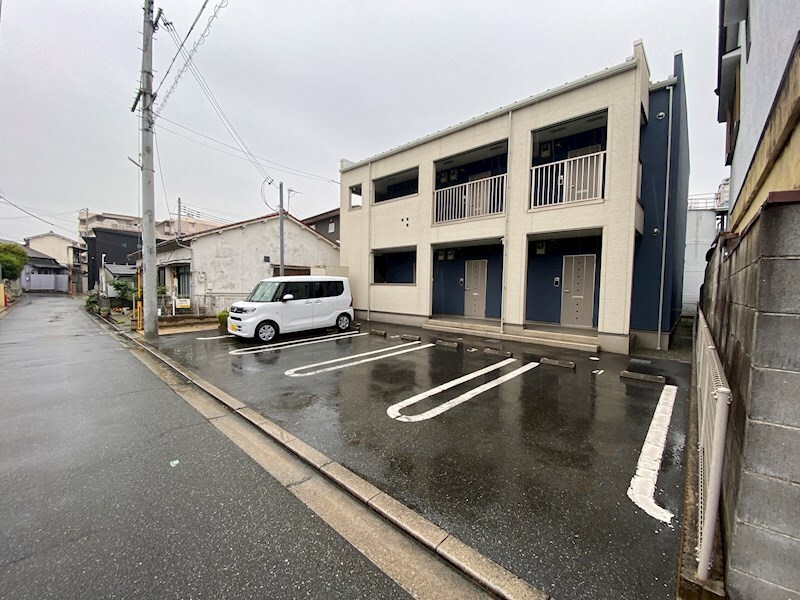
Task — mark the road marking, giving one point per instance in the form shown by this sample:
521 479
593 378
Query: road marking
216 337
394 410
643 485
294 343
386 354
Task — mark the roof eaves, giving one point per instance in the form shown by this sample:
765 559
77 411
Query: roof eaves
660 85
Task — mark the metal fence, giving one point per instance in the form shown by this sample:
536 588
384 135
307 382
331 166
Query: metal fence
45 282
713 401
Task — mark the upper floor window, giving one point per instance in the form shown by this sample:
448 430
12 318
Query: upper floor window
356 200
397 185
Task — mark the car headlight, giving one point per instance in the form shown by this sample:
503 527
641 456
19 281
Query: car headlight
248 310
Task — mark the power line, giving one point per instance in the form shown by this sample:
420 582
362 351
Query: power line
188 55
206 89
34 216
161 173
216 212
197 18
291 171
58 215
237 156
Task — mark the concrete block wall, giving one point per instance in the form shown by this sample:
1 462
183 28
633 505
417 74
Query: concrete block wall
752 303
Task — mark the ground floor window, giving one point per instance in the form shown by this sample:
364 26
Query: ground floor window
395 267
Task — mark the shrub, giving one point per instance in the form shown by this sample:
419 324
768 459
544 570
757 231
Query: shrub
222 317
12 259
124 290
92 301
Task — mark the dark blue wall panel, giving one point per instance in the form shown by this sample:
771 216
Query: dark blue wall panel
542 298
648 249
448 287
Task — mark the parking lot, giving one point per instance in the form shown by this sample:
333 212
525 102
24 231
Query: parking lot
529 463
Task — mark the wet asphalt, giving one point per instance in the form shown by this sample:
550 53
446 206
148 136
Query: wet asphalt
92 506
532 473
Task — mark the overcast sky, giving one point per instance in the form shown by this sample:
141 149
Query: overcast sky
305 83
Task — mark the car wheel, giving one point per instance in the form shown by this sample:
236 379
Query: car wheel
343 322
267 331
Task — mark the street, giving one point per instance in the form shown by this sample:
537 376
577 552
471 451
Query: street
113 486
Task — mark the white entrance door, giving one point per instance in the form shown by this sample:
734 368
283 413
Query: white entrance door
475 288
577 300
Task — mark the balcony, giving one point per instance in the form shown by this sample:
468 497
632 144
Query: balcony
472 184
479 198
571 180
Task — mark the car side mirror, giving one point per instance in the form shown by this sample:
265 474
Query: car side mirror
287 297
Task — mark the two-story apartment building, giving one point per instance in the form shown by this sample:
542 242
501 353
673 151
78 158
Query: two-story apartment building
558 219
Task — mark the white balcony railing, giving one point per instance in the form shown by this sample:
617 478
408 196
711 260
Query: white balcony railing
470 200
571 180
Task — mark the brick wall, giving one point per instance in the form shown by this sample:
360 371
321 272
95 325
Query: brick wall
752 303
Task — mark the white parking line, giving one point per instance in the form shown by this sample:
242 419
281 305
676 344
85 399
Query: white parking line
643 485
294 343
394 410
216 337
386 351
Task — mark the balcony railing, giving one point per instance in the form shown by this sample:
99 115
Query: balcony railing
470 200
571 180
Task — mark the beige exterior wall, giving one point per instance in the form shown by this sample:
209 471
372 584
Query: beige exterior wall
408 221
54 246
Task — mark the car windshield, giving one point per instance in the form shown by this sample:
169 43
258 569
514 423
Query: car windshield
264 292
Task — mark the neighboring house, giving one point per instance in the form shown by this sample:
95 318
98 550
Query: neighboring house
541 221
326 223
112 246
43 273
67 252
215 268
706 217
751 296
111 273
164 229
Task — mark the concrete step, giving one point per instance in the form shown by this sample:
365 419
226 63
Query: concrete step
588 338
461 325
589 344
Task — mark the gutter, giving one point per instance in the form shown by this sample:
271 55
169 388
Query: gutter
666 222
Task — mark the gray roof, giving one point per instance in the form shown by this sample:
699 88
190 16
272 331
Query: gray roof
121 270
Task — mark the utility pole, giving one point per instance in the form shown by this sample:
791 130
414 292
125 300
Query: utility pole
148 190
280 221
179 217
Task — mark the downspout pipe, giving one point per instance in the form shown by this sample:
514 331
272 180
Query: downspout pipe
370 257
503 298
666 222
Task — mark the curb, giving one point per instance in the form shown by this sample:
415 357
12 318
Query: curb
469 562
643 377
